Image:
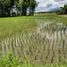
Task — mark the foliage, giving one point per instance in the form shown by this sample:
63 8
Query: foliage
21 5
32 6
9 61
63 10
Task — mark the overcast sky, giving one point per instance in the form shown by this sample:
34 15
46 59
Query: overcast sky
46 5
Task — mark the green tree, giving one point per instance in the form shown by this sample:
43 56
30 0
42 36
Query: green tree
32 6
22 5
5 7
7 4
65 9
27 4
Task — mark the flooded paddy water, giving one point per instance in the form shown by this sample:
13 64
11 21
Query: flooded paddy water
47 44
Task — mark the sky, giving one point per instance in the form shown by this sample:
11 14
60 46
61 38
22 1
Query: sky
46 5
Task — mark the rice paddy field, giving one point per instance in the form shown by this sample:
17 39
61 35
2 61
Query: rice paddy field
36 41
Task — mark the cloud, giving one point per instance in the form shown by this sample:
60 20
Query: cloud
46 5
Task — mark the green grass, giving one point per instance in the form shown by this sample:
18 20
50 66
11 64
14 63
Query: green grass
11 61
16 30
18 24
9 26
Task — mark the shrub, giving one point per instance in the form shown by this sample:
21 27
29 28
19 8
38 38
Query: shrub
9 61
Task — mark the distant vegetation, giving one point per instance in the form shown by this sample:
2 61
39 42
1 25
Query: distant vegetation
17 7
62 10
23 8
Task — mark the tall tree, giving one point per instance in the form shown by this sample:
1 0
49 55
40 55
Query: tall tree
7 4
22 5
32 6
28 4
0 7
5 7
65 8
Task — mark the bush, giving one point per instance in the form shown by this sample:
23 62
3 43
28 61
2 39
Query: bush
9 61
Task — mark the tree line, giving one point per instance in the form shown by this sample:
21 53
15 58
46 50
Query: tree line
21 5
62 10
